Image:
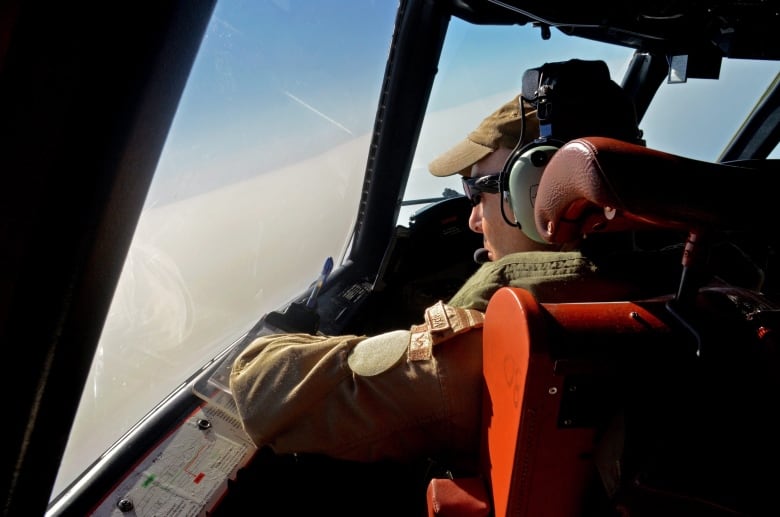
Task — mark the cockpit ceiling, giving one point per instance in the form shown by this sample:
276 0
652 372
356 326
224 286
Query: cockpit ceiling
707 29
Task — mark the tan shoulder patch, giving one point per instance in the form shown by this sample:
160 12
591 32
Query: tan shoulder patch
377 354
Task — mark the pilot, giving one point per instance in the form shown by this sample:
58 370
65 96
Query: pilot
415 393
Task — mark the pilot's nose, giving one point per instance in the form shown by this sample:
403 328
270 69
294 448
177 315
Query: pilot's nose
475 219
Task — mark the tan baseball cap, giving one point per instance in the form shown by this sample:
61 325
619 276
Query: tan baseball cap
502 128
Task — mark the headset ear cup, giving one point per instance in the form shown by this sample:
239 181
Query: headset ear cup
525 172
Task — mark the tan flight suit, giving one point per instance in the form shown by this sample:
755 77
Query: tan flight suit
402 395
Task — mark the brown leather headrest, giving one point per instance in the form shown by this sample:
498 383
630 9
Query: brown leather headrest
598 184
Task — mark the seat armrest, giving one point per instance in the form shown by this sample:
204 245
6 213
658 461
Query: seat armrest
459 497
599 184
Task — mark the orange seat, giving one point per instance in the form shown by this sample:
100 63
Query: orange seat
599 406
547 369
571 390
550 391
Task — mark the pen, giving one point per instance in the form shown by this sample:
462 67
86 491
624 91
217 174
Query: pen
326 269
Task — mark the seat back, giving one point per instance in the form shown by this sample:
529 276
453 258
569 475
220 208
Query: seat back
619 406
605 406
550 372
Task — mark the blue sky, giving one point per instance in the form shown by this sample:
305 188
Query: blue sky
278 81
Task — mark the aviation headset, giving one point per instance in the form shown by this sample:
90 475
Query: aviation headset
569 97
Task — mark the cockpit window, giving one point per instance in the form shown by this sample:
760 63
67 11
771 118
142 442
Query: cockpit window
262 172
259 182
481 68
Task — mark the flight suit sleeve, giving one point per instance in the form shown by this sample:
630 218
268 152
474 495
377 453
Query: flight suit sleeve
400 395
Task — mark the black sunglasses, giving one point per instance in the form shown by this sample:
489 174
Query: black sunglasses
473 187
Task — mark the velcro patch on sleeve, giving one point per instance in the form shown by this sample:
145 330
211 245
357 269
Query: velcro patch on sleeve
378 354
420 344
436 317
441 323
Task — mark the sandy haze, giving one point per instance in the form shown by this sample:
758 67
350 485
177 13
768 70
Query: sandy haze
202 270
